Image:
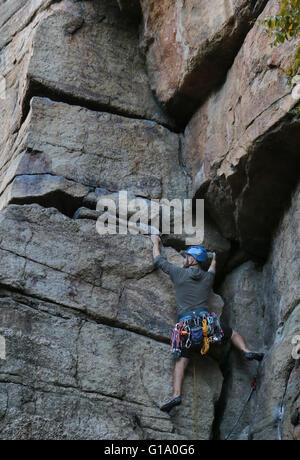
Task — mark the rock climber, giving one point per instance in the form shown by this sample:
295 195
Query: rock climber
192 289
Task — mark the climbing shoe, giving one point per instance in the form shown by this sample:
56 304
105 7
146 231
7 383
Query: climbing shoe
250 355
169 405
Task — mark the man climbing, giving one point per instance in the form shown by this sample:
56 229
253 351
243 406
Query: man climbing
192 289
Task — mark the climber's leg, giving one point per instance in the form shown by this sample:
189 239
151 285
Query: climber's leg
178 376
239 342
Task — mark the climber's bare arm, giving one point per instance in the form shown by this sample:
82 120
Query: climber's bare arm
213 264
156 250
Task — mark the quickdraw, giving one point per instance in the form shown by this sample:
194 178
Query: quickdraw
195 331
181 337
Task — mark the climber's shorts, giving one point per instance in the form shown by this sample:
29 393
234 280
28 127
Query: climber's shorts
227 331
189 352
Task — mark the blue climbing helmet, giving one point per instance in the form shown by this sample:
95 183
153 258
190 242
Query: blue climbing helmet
198 252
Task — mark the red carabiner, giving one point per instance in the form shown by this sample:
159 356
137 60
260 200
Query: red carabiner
253 384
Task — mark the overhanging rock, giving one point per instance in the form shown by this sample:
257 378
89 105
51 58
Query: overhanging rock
242 145
190 45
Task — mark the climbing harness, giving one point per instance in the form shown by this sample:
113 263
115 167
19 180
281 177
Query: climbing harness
195 331
253 388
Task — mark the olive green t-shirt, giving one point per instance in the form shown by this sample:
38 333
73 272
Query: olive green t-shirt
192 286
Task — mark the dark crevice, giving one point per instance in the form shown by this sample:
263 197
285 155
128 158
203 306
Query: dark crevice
237 256
131 10
256 197
220 405
171 241
64 203
272 175
37 89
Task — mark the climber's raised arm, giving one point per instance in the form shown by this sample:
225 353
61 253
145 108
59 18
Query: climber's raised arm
156 250
161 262
213 265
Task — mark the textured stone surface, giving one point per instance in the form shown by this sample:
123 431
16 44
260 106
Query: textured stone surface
264 306
278 393
57 191
243 310
238 143
190 45
18 23
67 388
58 275
63 260
97 149
52 257
14 16
94 58
73 280
280 373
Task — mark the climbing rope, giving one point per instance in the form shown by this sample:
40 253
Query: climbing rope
205 347
253 388
195 402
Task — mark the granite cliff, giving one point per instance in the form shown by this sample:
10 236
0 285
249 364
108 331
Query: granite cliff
169 99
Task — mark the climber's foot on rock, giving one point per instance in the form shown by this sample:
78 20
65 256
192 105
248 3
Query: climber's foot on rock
172 403
251 355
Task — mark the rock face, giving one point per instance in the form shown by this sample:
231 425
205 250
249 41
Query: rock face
242 292
98 42
238 142
88 63
102 291
190 45
264 306
89 153
84 326
85 319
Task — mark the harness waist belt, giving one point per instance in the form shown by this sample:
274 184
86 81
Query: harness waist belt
192 314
